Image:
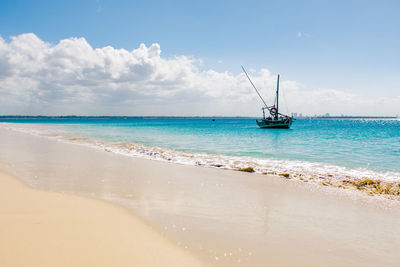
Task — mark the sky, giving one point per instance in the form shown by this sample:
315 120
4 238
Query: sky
183 58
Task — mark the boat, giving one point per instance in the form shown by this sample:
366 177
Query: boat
275 120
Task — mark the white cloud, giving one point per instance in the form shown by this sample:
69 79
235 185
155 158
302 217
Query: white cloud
72 77
303 34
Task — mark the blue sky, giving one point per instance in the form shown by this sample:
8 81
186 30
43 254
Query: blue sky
351 46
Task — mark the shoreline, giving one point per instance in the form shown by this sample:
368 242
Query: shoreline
56 229
223 217
368 182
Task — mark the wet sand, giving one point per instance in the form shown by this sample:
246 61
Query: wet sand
225 218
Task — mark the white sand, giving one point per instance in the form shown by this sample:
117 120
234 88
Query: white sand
40 228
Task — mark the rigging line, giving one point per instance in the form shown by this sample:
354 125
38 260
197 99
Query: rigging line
255 88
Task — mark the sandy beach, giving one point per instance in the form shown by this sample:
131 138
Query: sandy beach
199 133
221 217
40 228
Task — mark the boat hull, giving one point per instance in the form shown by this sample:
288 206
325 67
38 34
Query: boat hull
275 124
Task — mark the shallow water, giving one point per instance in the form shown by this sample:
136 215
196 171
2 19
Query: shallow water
355 148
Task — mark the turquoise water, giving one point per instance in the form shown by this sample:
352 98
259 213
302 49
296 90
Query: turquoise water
354 144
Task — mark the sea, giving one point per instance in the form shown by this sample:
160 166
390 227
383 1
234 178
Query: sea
313 149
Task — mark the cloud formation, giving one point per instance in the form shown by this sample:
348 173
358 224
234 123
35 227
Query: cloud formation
72 77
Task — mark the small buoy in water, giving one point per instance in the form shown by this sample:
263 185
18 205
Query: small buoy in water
213 120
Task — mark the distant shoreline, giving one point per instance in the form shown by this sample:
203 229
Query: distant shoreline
183 117
351 117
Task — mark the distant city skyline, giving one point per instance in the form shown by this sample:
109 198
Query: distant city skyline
183 58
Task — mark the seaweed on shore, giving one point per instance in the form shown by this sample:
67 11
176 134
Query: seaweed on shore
247 169
218 165
371 186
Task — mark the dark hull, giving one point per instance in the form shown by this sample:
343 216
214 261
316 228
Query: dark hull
275 124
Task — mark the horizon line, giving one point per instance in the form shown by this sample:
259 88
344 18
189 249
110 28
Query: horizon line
165 116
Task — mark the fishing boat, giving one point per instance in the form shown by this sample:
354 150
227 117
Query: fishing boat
276 119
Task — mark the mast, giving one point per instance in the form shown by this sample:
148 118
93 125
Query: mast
277 99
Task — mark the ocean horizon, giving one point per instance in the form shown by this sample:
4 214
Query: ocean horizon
205 117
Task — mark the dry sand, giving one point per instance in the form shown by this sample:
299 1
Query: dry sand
39 228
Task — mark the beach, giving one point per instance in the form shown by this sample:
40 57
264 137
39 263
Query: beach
199 133
93 207
40 228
